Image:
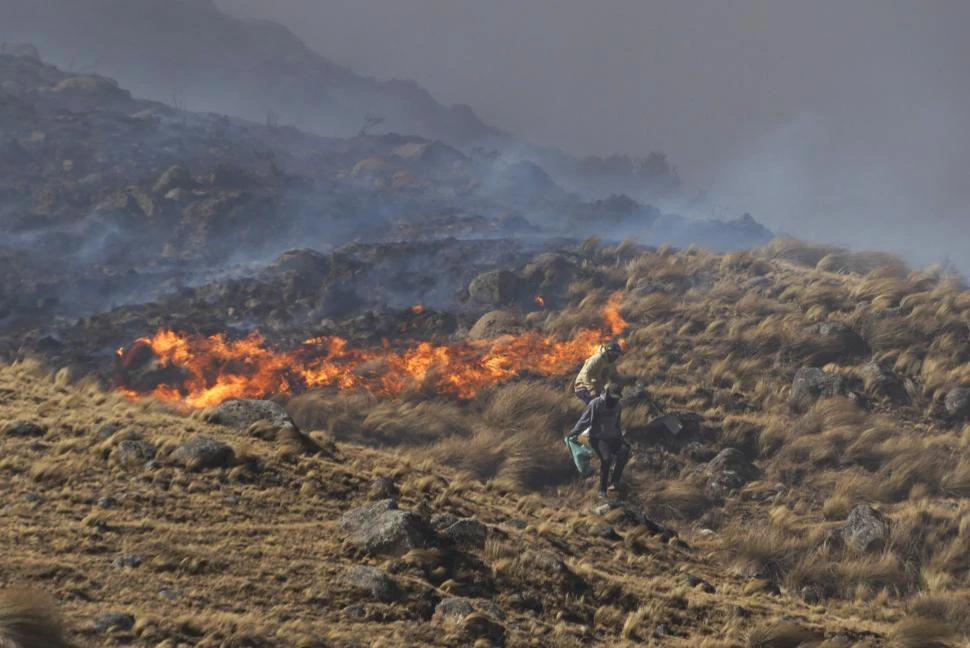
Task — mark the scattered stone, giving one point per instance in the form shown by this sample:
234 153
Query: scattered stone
132 453
24 429
837 342
478 626
355 612
383 488
741 612
957 403
384 529
491 608
32 497
170 594
604 531
373 582
240 413
881 383
495 287
699 583
113 620
107 501
107 430
495 324
127 560
518 524
453 608
728 471
811 384
811 594
602 509
467 532
550 562
203 452
866 529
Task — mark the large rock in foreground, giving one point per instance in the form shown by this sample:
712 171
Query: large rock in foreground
866 529
957 403
240 413
382 528
729 471
812 384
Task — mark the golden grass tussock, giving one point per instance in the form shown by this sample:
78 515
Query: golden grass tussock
28 620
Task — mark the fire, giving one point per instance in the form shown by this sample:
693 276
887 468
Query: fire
216 369
417 309
540 300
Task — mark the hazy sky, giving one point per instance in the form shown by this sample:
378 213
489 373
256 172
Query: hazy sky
792 110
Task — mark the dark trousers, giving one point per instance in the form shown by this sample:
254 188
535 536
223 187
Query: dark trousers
613 453
585 395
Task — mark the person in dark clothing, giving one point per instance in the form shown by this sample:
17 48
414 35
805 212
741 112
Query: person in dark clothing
602 419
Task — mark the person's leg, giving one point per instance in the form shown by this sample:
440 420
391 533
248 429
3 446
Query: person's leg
622 456
604 451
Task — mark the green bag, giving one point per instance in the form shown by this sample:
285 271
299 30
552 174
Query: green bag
582 456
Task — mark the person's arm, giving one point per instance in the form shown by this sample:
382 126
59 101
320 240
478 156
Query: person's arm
585 421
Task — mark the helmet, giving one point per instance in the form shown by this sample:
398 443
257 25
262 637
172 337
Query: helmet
614 349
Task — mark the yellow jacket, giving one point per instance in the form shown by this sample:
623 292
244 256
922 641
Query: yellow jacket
596 372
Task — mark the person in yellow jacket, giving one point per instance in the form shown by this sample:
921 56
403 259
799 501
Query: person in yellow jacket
598 370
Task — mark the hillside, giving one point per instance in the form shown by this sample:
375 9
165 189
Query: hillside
741 530
192 54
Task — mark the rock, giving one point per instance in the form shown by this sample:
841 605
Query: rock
107 502
241 413
881 383
126 560
699 583
811 594
133 453
453 608
729 471
467 532
549 562
495 287
957 403
107 430
837 342
604 531
384 488
203 452
113 620
176 177
384 529
31 497
377 584
355 612
495 324
24 429
480 626
865 530
491 608
811 384
602 509
441 521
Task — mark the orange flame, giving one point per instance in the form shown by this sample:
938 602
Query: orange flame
417 309
217 369
540 300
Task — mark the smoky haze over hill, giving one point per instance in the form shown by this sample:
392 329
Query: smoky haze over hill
836 121
839 122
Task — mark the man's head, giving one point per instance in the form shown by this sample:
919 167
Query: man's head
612 394
613 351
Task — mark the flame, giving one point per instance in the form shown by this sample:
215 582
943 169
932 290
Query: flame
540 300
417 309
216 369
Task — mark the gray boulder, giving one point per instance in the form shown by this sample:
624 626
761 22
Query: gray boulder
812 384
866 529
382 528
133 453
24 429
881 383
957 403
842 341
729 471
495 287
466 532
112 620
240 413
453 608
372 582
203 452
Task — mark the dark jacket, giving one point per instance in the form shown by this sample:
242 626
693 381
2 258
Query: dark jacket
603 421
